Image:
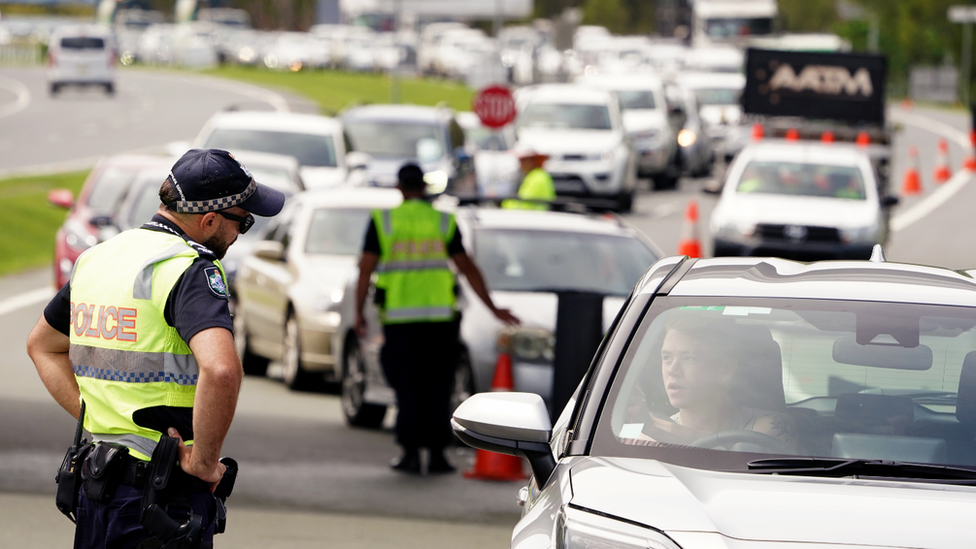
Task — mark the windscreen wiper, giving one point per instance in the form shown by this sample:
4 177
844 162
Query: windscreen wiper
876 469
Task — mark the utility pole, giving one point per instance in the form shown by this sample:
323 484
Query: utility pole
965 15
395 73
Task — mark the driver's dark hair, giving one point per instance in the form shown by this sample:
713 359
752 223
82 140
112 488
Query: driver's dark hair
411 177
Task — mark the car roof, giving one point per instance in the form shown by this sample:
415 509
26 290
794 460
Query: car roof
276 121
415 113
839 280
832 154
712 80
632 81
351 197
564 93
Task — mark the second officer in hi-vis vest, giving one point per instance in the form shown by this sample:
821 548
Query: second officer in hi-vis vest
138 346
409 246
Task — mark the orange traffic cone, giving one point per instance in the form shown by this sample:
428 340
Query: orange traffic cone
942 171
827 137
911 184
492 465
863 139
792 134
689 244
970 162
757 131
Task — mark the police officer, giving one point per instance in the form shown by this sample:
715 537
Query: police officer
410 246
537 185
141 334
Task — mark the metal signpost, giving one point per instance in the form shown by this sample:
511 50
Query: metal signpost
967 16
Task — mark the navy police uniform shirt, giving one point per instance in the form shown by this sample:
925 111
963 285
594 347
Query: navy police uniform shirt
197 302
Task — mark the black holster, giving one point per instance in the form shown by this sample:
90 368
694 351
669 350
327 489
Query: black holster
101 471
68 480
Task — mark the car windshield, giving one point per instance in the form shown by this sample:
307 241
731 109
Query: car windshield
83 43
711 382
565 116
337 231
733 27
486 139
636 99
109 189
424 142
538 261
718 96
310 149
795 178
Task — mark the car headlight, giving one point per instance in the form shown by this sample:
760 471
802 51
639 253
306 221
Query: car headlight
577 529
329 303
436 181
735 230
687 138
78 237
527 343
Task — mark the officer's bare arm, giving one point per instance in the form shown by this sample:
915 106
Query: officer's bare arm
216 399
471 271
48 348
367 264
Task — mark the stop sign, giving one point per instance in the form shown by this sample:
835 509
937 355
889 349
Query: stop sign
495 106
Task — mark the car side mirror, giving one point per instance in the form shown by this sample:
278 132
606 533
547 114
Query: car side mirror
62 198
888 201
712 187
272 250
516 424
357 160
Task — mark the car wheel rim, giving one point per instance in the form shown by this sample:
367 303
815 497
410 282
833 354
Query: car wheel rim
353 383
291 353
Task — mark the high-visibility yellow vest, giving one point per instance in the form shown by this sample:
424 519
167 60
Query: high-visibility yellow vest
537 185
413 271
125 357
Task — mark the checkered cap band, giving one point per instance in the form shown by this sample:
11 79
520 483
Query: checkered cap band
222 203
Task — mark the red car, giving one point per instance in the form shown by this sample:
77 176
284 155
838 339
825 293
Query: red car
97 202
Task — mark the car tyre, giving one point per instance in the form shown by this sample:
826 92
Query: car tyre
109 88
55 89
295 377
625 202
253 364
357 411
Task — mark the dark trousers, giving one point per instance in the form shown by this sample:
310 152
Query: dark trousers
115 525
418 361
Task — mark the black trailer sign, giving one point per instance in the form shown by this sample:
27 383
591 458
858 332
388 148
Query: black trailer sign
834 86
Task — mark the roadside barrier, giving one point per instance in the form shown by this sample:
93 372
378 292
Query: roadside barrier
20 54
912 183
689 244
492 465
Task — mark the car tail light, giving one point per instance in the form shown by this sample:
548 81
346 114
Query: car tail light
51 61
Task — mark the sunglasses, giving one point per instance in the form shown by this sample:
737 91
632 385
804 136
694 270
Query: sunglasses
245 222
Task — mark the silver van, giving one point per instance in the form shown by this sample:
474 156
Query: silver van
81 55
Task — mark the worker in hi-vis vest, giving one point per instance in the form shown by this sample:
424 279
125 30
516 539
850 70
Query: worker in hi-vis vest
410 248
138 346
537 187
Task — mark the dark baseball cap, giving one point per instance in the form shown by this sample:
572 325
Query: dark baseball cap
208 180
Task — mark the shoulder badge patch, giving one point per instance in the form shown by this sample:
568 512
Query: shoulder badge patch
215 282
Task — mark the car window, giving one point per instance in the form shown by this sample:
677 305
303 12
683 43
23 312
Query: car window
457 135
336 231
396 139
565 116
280 230
82 43
536 261
718 96
308 149
144 198
850 379
109 188
487 139
636 99
794 178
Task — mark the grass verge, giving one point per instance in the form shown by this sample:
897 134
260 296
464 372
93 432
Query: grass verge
336 90
30 222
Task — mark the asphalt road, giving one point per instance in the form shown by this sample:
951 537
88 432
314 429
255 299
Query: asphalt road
307 478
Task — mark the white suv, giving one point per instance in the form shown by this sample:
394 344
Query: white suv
81 55
582 132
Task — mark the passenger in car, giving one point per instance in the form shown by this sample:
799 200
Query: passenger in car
703 363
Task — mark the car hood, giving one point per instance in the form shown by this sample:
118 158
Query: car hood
795 210
316 177
720 114
645 119
383 171
743 507
567 141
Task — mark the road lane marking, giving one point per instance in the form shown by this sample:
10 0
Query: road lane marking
945 191
26 299
18 89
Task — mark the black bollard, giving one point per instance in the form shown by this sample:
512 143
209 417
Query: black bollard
579 329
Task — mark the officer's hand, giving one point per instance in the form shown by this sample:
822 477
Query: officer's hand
211 474
362 330
507 317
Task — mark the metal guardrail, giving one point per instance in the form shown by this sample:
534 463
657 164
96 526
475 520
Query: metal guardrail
20 54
